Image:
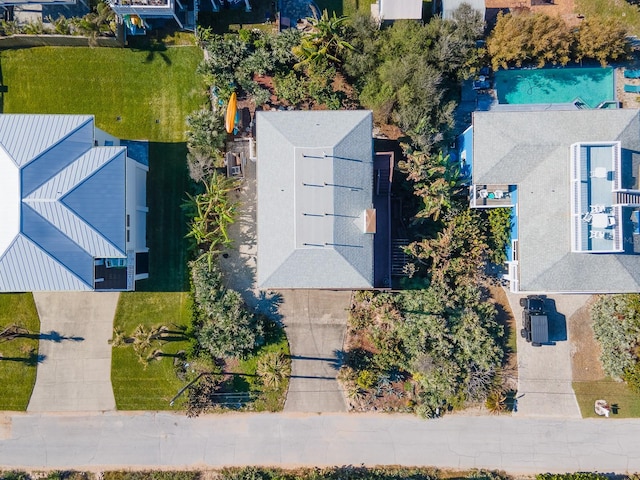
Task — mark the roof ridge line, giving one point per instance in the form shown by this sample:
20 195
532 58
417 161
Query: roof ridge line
90 118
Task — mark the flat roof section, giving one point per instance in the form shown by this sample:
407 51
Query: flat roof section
595 175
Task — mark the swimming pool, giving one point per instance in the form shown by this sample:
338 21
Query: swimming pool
589 86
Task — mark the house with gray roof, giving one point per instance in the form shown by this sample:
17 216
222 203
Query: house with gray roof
572 180
73 206
318 211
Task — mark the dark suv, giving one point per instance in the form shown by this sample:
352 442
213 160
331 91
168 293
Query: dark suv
535 324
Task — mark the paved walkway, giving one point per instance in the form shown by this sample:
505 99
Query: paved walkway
544 373
518 446
75 374
315 322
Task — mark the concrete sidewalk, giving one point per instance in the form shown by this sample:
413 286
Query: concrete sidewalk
151 440
315 322
75 373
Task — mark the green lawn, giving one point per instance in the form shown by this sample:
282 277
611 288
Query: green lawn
139 386
18 358
134 94
627 13
345 7
616 393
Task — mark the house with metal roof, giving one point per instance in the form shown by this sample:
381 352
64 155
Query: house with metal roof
73 205
322 223
390 10
571 178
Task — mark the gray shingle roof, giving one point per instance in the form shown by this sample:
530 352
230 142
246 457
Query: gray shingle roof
532 150
315 179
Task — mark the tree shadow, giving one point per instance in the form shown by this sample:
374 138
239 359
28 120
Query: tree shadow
334 362
268 303
32 360
153 47
166 222
52 336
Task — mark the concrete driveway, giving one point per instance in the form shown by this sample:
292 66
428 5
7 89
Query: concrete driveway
75 373
315 322
544 373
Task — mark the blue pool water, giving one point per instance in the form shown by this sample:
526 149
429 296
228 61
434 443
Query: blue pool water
590 86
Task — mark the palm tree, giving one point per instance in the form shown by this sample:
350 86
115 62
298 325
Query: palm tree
436 179
273 369
324 41
211 214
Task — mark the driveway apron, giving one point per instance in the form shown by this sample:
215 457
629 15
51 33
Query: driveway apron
315 322
74 373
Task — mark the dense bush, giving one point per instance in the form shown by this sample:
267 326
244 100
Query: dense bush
537 39
499 233
233 60
616 324
571 476
447 342
223 326
206 138
406 73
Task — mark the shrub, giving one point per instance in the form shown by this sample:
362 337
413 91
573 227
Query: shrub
273 369
366 379
290 87
616 325
223 326
499 234
496 402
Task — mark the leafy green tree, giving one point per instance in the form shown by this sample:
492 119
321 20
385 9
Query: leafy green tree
436 180
529 38
604 40
223 327
206 131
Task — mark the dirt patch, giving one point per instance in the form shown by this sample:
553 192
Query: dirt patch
585 349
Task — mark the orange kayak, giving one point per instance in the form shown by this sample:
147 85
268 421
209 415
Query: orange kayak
230 118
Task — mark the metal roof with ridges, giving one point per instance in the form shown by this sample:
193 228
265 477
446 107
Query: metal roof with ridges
26 267
26 136
71 202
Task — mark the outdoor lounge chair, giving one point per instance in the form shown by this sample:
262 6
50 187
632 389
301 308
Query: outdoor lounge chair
632 88
632 74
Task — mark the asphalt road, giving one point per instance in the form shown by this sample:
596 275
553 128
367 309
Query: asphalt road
165 440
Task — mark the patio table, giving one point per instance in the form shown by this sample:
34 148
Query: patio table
600 220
